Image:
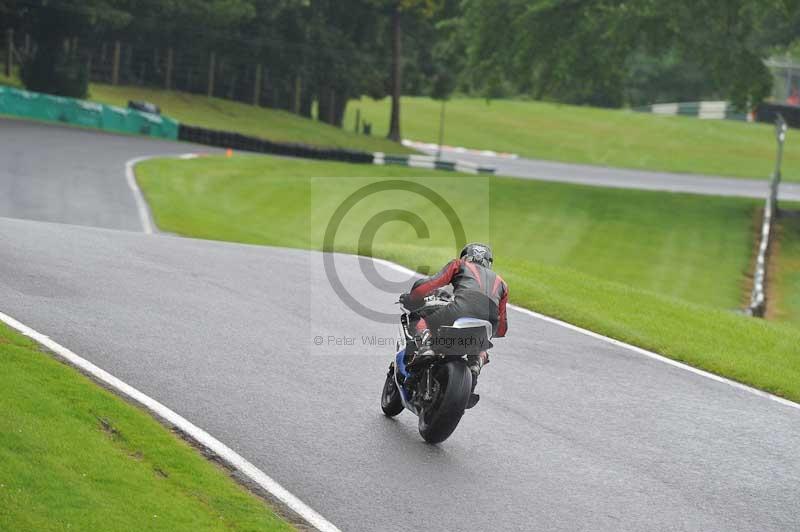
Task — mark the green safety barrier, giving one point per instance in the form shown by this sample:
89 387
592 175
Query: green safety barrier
40 106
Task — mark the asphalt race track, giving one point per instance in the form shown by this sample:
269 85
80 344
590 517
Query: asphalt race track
583 174
71 175
572 433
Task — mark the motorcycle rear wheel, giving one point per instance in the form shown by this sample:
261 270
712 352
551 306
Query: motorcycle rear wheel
391 403
438 420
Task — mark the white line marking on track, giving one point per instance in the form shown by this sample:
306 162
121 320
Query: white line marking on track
228 454
196 433
249 469
141 205
618 343
145 217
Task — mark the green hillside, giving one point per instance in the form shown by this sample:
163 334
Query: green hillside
592 136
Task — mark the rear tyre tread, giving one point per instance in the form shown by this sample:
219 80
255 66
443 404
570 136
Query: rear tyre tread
458 381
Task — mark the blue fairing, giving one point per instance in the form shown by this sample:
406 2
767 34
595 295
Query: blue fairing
400 360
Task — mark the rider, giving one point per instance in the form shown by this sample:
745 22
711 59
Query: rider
478 293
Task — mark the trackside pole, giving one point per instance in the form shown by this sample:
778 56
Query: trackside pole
780 133
441 132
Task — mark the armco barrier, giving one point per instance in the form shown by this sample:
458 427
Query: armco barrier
758 297
765 112
706 110
428 161
27 104
237 141
40 106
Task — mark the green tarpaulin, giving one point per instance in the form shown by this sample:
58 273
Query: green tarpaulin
16 102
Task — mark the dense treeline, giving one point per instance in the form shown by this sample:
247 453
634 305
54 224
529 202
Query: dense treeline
307 53
611 52
311 56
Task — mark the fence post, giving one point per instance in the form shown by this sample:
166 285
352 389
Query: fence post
780 133
257 85
9 52
27 44
441 132
115 65
168 74
212 65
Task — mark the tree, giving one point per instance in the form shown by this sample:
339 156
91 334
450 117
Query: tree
397 10
344 35
396 74
578 51
666 77
194 29
54 68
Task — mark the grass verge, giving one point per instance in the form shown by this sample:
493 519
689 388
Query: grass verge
216 113
10 81
591 135
73 456
787 268
533 129
657 270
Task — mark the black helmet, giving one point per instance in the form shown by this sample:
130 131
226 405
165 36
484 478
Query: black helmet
479 253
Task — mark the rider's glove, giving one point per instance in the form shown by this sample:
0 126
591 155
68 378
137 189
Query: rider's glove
406 301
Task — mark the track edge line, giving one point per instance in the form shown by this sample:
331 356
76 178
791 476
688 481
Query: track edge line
619 343
145 217
193 432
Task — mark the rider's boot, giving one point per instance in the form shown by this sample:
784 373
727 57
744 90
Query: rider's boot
475 364
424 351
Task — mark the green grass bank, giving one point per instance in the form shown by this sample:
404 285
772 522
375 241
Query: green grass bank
616 138
786 268
661 271
73 456
216 113
10 81
589 135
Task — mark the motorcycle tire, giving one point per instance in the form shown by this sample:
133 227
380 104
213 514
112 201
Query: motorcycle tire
391 403
438 420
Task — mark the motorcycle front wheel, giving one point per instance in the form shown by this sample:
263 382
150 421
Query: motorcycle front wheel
439 419
391 404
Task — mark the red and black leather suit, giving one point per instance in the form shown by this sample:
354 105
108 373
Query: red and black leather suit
478 292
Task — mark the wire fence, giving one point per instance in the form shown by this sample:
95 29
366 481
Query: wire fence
786 80
758 297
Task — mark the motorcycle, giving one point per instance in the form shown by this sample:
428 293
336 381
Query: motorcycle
437 389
